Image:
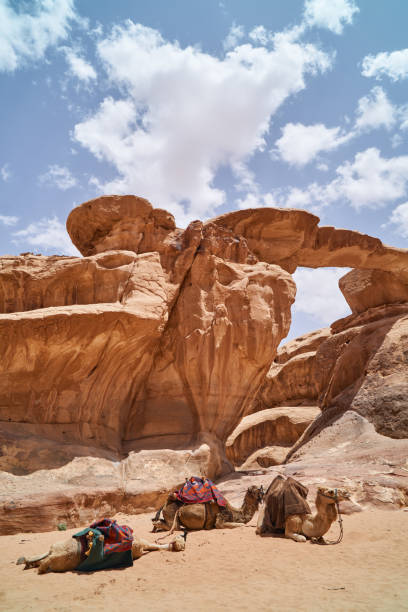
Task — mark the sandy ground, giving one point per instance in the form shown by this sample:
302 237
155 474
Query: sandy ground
227 570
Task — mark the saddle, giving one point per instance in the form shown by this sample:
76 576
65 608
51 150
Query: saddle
284 497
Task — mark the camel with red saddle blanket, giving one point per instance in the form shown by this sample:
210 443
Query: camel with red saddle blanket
183 508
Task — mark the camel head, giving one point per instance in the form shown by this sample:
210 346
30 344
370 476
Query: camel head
255 493
334 494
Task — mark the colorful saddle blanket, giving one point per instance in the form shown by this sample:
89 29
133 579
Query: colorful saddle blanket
199 491
113 550
117 538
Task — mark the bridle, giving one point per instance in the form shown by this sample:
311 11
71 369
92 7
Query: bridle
339 539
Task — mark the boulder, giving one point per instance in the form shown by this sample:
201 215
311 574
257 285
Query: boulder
364 289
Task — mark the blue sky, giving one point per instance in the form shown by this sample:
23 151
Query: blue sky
203 108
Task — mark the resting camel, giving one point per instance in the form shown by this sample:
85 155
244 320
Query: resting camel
65 556
209 515
300 527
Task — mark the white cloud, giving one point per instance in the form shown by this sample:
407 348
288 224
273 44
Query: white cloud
6 220
393 65
370 181
260 35
25 37
78 67
47 235
318 294
331 14
396 141
299 144
59 177
5 172
184 113
375 110
235 34
399 217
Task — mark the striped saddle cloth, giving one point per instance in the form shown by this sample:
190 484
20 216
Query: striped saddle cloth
199 491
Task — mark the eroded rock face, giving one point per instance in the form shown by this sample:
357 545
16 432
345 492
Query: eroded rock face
292 379
134 350
364 289
365 368
278 427
362 366
216 348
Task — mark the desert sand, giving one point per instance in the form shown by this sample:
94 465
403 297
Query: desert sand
226 570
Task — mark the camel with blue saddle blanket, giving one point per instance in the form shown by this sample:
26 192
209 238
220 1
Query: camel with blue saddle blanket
101 546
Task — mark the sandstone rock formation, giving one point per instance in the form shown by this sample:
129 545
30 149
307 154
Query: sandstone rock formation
286 404
275 428
364 289
292 238
292 379
146 353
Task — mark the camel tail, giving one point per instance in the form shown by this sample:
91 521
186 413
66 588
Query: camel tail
31 562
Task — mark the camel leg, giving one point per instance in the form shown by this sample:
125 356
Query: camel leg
148 546
44 565
292 527
33 562
220 524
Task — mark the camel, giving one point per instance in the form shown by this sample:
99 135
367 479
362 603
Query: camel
209 515
65 556
301 527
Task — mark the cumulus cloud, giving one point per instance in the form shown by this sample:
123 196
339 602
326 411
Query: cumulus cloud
8 220
369 181
49 234
399 217
5 172
300 144
58 176
318 294
375 110
79 67
372 180
394 65
330 14
26 36
184 114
